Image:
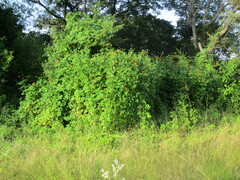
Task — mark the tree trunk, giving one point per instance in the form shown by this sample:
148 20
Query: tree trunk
194 32
113 9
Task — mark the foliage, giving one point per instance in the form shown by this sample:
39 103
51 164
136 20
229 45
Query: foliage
141 30
184 38
9 26
8 32
5 59
86 83
188 86
26 54
230 93
54 12
205 17
27 64
145 33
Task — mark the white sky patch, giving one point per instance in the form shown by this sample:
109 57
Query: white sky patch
169 16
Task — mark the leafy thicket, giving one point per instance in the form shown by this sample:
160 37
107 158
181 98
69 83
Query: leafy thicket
87 82
99 75
190 86
89 85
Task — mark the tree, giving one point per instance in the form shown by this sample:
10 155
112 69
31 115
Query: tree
55 11
5 59
141 31
10 28
26 51
145 32
231 16
184 38
132 7
204 17
27 63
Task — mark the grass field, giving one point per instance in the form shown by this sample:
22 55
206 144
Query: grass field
203 153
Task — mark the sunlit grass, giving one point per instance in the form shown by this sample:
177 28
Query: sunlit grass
204 153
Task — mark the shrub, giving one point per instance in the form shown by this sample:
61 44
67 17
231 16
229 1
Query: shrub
230 92
88 84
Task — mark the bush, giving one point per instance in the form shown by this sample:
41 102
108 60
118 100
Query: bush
230 92
88 84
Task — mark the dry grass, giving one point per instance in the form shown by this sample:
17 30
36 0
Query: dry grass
202 154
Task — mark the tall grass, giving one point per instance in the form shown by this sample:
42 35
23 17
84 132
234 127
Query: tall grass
204 153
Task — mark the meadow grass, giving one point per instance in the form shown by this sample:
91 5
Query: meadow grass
203 153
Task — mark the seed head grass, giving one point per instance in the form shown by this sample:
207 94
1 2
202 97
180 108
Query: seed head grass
204 153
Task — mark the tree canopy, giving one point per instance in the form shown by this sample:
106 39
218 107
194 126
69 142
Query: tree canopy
25 50
204 17
55 11
145 32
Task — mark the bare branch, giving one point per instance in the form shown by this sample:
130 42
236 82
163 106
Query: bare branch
205 14
48 10
217 13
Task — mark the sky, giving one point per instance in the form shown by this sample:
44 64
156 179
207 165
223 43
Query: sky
169 16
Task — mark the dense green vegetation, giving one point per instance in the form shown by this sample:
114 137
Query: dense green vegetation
113 81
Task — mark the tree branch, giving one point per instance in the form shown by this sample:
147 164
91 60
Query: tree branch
217 13
49 11
224 29
205 14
